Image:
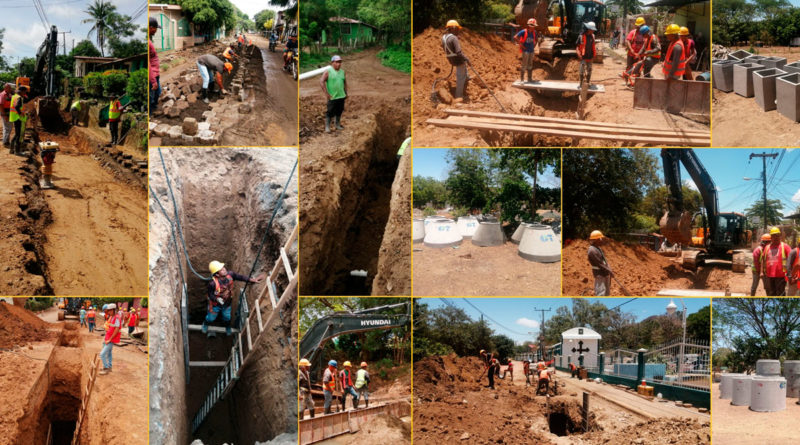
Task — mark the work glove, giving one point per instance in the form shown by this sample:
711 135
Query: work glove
220 301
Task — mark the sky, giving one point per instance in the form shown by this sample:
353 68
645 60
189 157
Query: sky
25 31
729 166
431 162
518 316
251 7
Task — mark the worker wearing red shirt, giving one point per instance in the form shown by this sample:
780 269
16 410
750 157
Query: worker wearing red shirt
634 42
526 369
346 378
112 336
133 321
773 264
765 239
509 370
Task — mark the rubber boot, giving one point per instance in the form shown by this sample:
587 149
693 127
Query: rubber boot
530 75
338 125
204 94
47 182
327 124
521 75
366 402
204 328
228 331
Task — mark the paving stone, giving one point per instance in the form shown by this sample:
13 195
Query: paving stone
190 126
175 132
161 130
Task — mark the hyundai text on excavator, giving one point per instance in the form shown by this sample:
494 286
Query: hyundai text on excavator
718 235
561 31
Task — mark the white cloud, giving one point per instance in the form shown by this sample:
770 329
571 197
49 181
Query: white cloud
796 197
528 323
690 184
21 41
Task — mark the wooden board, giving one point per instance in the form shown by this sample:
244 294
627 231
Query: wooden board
678 96
556 85
695 293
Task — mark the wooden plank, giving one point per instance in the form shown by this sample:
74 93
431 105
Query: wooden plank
258 316
557 85
584 126
524 117
271 294
676 141
286 264
249 338
695 293
199 327
207 364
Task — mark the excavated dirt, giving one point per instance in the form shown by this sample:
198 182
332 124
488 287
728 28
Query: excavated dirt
658 432
730 130
497 61
19 327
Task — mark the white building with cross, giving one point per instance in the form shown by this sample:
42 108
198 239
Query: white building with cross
580 341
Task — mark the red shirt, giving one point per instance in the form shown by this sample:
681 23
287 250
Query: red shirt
636 39
133 320
773 260
155 66
115 322
5 101
347 380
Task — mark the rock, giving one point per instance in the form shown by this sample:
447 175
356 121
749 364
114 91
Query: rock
209 115
155 142
444 95
182 105
161 130
203 126
190 126
192 98
245 109
194 87
172 111
168 104
152 126
465 436
175 132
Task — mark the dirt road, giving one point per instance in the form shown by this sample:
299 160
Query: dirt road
737 425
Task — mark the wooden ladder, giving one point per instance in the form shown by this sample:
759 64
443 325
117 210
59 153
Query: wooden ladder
85 400
244 341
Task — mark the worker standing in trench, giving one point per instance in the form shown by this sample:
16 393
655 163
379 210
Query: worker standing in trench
306 400
220 294
456 57
90 318
527 38
16 117
5 110
115 110
346 377
154 65
756 268
334 84
493 368
362 384
675 62
600 269
113 334
133 321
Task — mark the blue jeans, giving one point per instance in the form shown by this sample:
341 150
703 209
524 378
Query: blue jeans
204 74
155 94
105 355
352 391
91 326
215 311
328 400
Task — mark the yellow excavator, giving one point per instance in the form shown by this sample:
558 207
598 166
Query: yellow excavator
561 22
718 235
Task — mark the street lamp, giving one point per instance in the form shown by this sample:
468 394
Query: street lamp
671 307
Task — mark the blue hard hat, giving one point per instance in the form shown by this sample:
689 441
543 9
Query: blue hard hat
644 29
332 363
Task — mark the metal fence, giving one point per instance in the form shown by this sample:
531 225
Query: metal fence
621 362
683 364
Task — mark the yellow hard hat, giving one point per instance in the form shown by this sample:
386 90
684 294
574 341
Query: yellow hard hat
215 266
596 234
765 237
304 362
347 364
363 364
672 29
453 24
684 31
640 21
774 231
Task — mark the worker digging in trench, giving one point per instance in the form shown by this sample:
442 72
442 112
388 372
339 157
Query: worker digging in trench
528 39
220 295
455 56
208 64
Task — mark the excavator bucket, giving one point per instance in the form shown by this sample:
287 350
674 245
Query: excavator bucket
677 228
47 108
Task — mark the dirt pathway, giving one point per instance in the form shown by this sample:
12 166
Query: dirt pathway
737 425
97 242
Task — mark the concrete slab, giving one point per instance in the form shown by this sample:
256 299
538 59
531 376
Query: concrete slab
764 87
787 92
743 78
793 67
556 85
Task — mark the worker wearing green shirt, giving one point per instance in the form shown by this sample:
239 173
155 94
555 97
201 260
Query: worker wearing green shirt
403 147
334 85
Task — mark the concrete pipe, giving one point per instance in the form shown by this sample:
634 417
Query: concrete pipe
488 234
418 231
791 370
467 225
768 394
540 244
517 236
442 233
726 385
768 367
741 390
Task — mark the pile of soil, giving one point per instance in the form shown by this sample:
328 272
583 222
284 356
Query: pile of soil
382 428
439 376
658 432
641 271
19 326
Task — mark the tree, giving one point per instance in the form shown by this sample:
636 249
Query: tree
209 14
774 216
85 48
429 190
698 324
504 346
468 182
102 14
758 327
531 162
123 49
390 16
262 18
627 6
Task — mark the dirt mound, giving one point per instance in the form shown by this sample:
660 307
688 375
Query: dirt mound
19 326
383 428
641 271
439 376
658 432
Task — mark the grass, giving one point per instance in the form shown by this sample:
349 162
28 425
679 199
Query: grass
167 65
310 61
396 57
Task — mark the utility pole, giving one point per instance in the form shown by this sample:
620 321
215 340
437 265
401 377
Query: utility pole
64 40
764 157
541 331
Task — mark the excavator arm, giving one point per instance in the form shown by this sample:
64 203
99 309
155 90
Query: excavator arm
676 224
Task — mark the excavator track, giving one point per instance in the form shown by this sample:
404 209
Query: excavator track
689 259
547 50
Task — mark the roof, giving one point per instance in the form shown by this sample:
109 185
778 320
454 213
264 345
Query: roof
96 59
674 3
349 20
160 6
580 334
138 56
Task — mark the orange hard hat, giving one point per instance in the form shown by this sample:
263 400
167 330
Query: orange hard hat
228 66
766 237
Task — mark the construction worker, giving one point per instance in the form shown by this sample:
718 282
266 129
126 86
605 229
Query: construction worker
526 369
452 50
82 315
634 42
573 370
16 116
229 54
220 294
527 38
90 318
649 55
493 369
756 268
115 110
334 84
75 110
600 269
346 377
675 62
362 384
133 321
773 264
691 52
155 66
5 110
509 370
486 358
112 336
793 270
543 381
306 400
240 41
403 147
208 64
329 385
586 50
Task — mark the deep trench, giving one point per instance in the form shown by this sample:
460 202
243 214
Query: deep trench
227 226
565 418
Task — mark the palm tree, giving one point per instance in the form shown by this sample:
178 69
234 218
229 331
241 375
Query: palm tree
102 14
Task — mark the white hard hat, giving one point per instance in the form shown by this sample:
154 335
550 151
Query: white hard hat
590 25
111 306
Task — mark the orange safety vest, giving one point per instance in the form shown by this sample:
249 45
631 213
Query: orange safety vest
667 67
241 39
90 315
222 290
583 45
768 259
648 46
544 375
228 53
331 385
525 38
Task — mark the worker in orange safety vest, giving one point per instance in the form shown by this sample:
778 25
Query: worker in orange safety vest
773 264
675 62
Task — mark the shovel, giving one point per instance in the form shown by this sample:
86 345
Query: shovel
487 86
624 291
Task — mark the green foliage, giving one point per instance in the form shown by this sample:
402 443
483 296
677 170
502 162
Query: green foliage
774 216
459 211
643 223
504 347
75 82
123 49
698 325
114 82
514 193
498 11
468 182
136 88
392 18
396 57
447 328
209 14
740 22
102 14
85 48
436 13
429 211
37 304
262 18
429 190
93 84
27 66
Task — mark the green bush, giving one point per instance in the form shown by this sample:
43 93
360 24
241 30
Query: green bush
114 82
429 211
458 211
396 57
93 82
38 304
137 88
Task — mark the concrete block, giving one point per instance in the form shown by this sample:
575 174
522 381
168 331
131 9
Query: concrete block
739 55
774 62
245 109
793 67
722 75
172 111
743 78
161 130
203 126
187 139
755 59
209 115
764 87
190 126
787 91
175 132
152 125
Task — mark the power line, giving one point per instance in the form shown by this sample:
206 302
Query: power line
493 320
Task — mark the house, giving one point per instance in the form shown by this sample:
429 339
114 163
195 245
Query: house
354 31
693 14
85 65
176 31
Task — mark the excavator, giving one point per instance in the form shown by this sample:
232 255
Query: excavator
719 234
42 104
340 323
562 31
